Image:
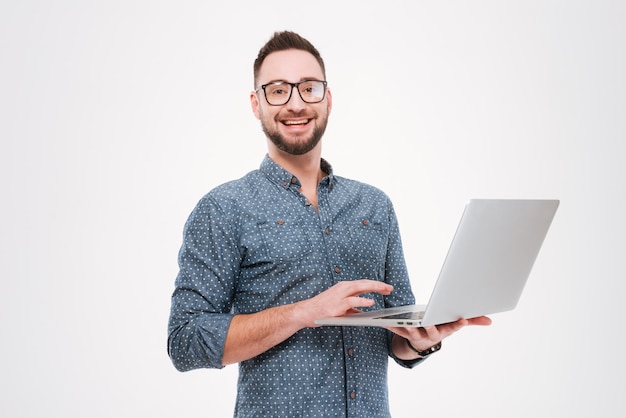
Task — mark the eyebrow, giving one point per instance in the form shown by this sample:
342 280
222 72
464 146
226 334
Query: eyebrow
280 80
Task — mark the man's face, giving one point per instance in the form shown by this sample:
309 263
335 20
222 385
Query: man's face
295 127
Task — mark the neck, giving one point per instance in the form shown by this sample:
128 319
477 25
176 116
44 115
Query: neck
306 167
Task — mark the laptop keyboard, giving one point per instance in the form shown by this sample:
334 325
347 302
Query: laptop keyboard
404 315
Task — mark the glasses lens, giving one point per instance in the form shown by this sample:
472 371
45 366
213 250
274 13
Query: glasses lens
312 91
277 93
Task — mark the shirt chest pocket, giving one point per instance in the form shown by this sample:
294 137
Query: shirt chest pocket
368 241
283 239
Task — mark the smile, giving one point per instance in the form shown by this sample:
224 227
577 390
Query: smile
295 122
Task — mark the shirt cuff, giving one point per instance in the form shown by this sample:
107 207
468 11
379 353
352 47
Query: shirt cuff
199 343
408 364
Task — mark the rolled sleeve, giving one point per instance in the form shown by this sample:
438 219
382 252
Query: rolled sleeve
199 342
202 300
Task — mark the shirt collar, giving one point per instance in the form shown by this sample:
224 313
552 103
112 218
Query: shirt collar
282 177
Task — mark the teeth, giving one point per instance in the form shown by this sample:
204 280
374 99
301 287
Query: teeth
295 122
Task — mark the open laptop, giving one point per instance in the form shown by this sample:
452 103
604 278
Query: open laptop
487 266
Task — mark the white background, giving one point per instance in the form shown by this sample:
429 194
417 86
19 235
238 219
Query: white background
117 116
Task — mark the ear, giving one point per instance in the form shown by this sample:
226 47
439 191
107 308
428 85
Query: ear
329 100
254 103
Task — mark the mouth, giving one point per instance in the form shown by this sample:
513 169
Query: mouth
296 122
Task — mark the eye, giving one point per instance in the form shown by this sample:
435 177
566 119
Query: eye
277 90
307 87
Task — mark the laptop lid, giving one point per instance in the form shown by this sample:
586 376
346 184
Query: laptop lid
488 263
490 258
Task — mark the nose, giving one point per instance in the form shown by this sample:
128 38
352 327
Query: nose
295 102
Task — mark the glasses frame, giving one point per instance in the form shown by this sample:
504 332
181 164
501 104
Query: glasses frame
292 86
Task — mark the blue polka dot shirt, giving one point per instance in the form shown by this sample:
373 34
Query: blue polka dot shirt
256 243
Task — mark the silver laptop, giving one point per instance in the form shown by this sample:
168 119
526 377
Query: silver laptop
487 266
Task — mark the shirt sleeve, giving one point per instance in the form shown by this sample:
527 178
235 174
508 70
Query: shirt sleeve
396 274
408 364
201 306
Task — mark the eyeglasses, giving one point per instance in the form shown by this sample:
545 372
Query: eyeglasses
278 93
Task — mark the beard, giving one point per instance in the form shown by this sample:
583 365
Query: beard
299 145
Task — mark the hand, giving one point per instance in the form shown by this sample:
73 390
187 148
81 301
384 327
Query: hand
252 334
426 337
341 299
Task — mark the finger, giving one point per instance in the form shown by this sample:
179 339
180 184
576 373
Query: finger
353 311
357 302
357 287
411 333
401 331
480 320
450 328
368 286
432 333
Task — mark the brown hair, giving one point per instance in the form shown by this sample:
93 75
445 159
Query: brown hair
282 41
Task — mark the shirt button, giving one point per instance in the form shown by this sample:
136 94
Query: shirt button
327 231
366 222
280 222
337 269
350 352
352 395
294 180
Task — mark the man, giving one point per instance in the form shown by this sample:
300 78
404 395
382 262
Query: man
264 256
